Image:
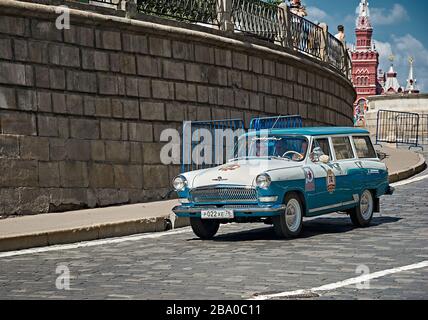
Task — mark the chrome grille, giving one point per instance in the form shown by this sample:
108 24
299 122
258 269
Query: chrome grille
223 195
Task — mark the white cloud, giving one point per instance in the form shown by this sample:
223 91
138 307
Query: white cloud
385 51
403 47
317 14
383 16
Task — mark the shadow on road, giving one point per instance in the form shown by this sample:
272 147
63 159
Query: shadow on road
311 228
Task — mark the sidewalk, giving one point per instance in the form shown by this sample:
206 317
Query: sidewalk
84 225
402 163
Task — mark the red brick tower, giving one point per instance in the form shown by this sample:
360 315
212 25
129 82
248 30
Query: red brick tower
365 61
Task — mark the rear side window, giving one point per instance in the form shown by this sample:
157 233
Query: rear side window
364 147
342 147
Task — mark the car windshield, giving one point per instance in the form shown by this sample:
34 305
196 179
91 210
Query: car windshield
292 148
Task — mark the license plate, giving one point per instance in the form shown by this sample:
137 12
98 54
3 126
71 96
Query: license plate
217 214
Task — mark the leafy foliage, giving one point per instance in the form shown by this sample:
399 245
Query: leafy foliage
275 2
183 10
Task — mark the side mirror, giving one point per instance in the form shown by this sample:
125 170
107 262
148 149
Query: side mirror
325 159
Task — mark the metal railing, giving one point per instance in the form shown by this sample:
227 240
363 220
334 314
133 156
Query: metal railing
398 127
306 36
335 52
277 24
193 135
281 122
423 129
256 18
202 11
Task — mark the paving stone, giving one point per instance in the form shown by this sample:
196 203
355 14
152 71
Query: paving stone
9 146
20 123
34 148
79 35
73 174
64 55
117 151
101 175
49 174
13 73
329 250
160 47
81 81
128 176
134 43
95 60
14 25
84 128
110 40
47 126
183 50
7 98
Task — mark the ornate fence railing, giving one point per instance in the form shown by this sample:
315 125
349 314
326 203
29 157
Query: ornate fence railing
306 36
336 52
202 11
257 18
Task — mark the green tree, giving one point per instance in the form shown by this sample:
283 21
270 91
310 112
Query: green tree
275 2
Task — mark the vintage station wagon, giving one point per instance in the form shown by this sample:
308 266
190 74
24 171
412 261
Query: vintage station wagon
286 175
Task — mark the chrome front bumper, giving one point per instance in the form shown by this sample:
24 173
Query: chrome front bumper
245 211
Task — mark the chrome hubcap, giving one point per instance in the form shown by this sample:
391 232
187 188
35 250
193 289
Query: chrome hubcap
366 205
293 215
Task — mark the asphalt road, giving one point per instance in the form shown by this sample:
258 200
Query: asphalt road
241 261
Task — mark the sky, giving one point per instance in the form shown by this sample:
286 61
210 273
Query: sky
400 28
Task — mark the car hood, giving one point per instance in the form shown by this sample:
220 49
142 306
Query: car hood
241 172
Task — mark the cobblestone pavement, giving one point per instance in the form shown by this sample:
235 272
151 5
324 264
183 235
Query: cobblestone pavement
242 260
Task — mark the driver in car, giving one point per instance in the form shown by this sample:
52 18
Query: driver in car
304 148
284 150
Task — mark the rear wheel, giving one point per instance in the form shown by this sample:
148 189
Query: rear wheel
204 229
289 223
362 214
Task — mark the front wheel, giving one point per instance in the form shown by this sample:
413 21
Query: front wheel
362 214
204 229
289 223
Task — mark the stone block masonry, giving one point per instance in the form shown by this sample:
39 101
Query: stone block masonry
81 110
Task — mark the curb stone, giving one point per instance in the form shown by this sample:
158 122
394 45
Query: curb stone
402 175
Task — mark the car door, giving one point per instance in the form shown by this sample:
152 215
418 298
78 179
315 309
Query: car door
323 193
367 159
350 171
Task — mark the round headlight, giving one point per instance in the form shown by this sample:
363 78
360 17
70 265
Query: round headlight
263 181
179 183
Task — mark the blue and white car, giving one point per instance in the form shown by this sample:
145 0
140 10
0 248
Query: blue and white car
286 175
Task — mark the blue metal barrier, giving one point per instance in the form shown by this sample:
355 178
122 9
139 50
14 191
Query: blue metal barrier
281 122
193 134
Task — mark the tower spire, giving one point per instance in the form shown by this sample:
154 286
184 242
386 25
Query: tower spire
363 20
411 82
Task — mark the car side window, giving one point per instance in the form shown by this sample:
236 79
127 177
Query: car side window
323 144
342 147
364 147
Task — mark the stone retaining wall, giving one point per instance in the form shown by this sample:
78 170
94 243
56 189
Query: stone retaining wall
81 110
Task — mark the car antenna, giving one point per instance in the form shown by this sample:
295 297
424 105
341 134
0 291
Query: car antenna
277 119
